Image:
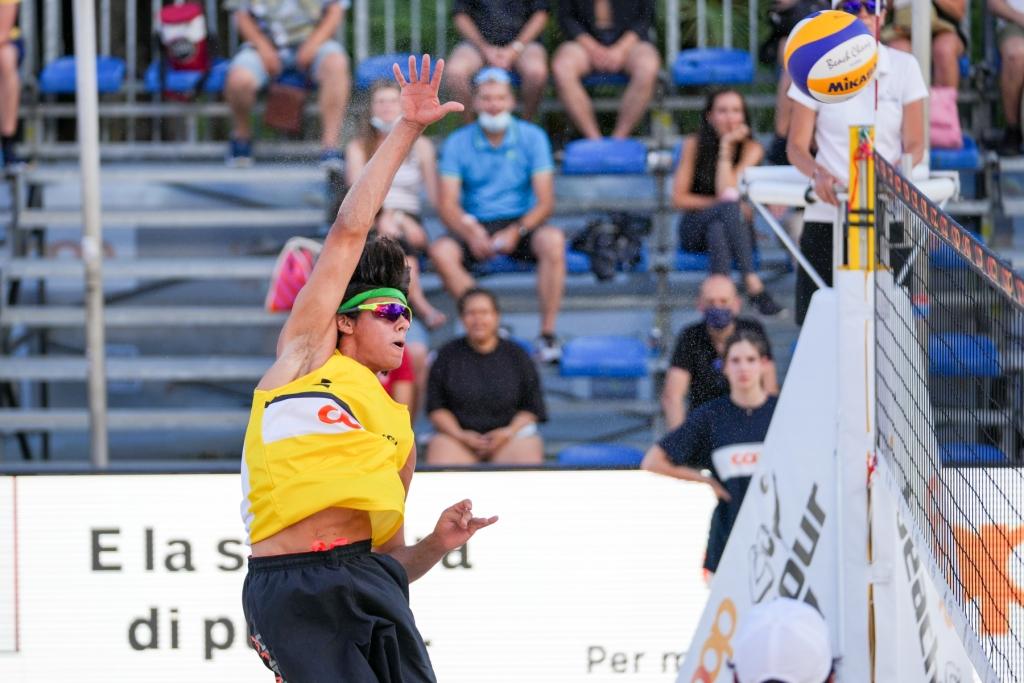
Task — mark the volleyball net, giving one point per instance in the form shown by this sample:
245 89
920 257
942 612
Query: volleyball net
949 409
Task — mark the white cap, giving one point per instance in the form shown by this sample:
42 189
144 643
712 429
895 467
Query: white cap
782 640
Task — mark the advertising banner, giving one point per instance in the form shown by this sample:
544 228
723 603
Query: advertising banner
587 576
784 539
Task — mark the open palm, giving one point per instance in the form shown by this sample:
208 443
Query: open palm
420 103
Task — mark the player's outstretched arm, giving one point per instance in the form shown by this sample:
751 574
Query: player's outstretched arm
454 527
312 316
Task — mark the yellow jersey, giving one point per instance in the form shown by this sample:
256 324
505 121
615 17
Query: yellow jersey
331 438
15 32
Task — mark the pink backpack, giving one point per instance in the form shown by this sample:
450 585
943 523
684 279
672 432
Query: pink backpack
291 271
944 131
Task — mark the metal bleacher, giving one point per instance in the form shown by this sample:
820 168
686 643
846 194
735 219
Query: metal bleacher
192 242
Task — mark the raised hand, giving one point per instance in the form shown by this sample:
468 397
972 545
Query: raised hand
420 103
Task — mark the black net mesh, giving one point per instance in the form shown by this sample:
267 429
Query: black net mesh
949 339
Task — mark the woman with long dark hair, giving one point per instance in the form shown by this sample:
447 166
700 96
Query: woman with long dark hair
706 187
724 436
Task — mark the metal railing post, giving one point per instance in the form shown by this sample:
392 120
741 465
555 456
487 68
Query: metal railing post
87 105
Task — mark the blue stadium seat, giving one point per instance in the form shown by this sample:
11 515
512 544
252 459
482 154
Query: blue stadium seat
599 79
575 263
965 66
58 77
691 261
184 82
956 354
712 65
947 258
604 356
600 455
605 157
378 68
966 159
970 454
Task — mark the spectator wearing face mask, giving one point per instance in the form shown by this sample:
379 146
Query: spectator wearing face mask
695 375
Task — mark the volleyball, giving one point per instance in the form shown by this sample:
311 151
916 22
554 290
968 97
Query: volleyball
831 56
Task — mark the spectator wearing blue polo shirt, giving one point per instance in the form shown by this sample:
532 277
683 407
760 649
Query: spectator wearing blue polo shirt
497 192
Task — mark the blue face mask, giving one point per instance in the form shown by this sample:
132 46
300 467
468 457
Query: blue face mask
718 318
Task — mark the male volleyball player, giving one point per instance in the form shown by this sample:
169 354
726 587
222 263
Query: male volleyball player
329 457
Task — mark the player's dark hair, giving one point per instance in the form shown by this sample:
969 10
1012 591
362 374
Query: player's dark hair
382 264
754 338
478 291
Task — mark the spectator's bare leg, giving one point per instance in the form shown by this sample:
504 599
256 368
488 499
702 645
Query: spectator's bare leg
1011 79
240 92
333 79
446 255
459 69
548 245
528 450
642 65
444 450
10 90
946 51
430 316
532 67
569 66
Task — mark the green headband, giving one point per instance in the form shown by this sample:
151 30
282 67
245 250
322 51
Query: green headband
369 294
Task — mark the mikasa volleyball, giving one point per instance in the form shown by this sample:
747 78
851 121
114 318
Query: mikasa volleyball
831 56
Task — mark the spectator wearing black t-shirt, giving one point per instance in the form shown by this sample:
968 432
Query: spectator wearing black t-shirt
695 374
724 437
503 34
484 395
606 36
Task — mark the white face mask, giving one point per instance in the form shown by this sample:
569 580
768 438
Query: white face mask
382 125
494 123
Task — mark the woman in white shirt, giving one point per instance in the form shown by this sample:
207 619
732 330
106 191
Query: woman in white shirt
400 216
899 129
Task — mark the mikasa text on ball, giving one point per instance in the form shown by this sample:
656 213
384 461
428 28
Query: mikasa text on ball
831 56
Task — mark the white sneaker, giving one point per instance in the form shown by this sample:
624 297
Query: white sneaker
548 349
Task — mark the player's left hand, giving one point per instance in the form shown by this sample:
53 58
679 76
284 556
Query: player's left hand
456 525
420 103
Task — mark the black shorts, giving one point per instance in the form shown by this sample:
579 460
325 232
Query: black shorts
341 615
522 252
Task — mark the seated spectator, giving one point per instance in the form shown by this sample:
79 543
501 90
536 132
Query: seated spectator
283 36
400 217
695 374
497 192
404 384
11 51
504 35
484 395
948 40
725 437
1011 75
706 187
782 640
606 36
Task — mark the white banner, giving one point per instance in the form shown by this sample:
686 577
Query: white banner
8 569
588 576
784 539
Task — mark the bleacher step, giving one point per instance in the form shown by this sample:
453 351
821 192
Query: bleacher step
178 218
188 173
235 267
77 419
75 368
142 316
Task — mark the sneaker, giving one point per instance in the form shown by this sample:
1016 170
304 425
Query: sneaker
9 161
239 153
764 303
548 349
332 160
1009 146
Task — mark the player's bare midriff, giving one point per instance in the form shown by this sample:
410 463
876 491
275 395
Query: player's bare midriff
326 526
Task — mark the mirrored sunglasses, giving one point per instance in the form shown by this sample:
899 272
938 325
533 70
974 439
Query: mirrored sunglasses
387 310
854 6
